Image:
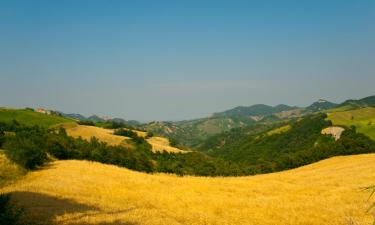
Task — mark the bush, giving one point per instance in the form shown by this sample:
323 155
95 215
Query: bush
126 133
27 149
86 122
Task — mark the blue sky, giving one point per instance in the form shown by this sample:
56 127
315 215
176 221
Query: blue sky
172 60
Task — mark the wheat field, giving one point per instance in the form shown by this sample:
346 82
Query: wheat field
158 144
81 192
87 132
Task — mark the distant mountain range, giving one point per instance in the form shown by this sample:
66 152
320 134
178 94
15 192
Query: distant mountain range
96 118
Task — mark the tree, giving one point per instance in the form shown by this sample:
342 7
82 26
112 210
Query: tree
25 152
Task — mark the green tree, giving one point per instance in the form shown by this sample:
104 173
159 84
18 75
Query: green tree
27 152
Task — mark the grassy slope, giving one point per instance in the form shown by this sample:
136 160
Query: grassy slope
361 119
106 135
79 192
31 118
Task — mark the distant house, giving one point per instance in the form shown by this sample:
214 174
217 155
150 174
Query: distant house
44 111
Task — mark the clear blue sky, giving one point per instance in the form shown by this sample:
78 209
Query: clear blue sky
170 60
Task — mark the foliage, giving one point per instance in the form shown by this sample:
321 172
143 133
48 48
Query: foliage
86 122
27 148
126 133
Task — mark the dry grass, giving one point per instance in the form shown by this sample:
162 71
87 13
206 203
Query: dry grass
87 132
106 135
80 192
9 171
160 144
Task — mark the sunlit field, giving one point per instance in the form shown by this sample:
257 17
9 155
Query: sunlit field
106 135
81 192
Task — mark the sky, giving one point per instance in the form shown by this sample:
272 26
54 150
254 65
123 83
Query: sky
175 60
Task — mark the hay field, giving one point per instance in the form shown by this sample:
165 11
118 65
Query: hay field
160 144
363 119
87 132
106 135
81 192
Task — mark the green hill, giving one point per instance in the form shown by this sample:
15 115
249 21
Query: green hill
30 118
266 148
363 119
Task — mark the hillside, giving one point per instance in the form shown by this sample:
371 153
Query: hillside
193 132
254 110
363 119
320 105
277 147
158 144
327 192
358 103
31 118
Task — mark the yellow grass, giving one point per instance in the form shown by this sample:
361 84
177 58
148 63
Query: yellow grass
87 132
9 171
80 192
162 144
106 135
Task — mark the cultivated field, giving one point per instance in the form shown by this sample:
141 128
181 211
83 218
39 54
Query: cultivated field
160 144
87 132
106 135
363 119
80 192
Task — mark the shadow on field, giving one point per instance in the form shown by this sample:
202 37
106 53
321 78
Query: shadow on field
43 209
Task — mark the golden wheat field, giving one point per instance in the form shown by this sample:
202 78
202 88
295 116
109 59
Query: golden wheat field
106 135
81 192
87 132
160 144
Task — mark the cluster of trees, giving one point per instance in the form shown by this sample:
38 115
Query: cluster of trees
86 122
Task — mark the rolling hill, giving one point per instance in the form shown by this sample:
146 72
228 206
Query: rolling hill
320 105
158 144
31 118
81 192
363 119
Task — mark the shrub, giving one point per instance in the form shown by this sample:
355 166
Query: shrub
126 133
26 149
86 122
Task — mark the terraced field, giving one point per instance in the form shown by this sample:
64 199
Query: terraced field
81 192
